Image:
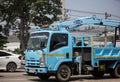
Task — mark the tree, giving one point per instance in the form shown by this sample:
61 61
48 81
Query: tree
3 38
19 14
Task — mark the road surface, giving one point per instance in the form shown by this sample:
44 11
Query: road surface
21 76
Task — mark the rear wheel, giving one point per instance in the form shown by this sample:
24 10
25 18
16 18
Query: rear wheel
116 72
63 74
43 76
11 67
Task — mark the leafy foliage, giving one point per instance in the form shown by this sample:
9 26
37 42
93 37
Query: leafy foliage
19 14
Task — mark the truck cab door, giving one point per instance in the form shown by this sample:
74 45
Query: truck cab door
59 50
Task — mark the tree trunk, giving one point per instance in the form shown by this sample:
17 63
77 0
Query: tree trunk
24 34
21 35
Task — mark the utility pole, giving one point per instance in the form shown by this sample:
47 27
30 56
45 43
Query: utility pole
106 16
119 32
63 10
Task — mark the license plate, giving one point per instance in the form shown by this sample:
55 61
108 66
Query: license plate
31 70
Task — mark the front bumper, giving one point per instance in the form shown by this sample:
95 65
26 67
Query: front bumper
36 70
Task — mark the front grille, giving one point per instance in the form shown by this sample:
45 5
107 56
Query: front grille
33 60
33 63
33 66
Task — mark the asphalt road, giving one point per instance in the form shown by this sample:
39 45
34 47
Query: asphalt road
21 76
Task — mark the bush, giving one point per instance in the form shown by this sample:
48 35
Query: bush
17 51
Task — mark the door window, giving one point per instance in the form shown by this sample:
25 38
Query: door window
58 41
2 54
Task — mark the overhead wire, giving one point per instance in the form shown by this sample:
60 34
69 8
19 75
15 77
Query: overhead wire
88 12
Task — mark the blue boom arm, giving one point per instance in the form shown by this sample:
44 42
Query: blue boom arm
76 23
69 25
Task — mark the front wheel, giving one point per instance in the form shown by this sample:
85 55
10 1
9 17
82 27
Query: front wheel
11 67
43 76
116 72
63 74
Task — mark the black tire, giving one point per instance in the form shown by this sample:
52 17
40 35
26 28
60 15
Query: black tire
63 74
44 76
116 72
11 67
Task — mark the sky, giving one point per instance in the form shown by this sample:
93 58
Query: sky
99 6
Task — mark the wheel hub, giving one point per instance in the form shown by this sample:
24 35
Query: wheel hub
64 73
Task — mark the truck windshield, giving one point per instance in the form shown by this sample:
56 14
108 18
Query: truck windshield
38 41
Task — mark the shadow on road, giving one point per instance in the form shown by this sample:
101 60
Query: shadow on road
75 78
17 70
30 74
90 77
49 80
53 79
1 76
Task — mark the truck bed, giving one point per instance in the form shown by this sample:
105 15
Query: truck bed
108 53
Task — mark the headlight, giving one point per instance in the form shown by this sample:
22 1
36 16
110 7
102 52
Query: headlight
42 62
